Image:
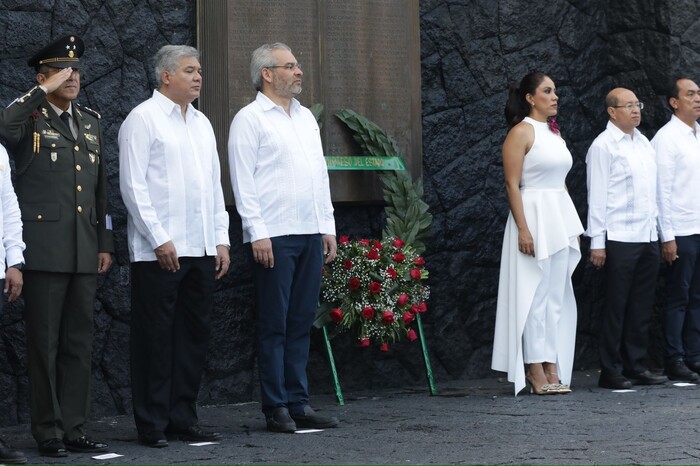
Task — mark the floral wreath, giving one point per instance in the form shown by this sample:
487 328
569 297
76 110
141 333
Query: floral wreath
375 289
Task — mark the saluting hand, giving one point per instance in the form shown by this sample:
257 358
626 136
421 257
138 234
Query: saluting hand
54 81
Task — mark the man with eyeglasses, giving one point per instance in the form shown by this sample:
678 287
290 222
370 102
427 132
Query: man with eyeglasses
280 182
677 146
622 225
62 191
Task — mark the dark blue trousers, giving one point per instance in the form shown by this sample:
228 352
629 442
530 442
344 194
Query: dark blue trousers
286 300
682 313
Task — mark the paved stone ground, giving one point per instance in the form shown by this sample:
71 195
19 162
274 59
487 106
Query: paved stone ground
476 421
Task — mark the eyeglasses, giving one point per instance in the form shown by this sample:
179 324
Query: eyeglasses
630 106
288 66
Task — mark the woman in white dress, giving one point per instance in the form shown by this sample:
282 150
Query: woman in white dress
536 311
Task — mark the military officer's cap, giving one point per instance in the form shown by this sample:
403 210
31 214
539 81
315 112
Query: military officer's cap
61 53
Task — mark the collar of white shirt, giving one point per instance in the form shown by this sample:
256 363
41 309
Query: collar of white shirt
169 106
618 134
267 104
677 122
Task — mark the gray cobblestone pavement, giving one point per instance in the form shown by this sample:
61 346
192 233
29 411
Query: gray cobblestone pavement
474 422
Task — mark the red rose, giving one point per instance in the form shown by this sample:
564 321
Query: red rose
375 287
344 240
373 254
422 308
367 312
402 300
419 261
364 242
364 342
392 273
384 347
408 317
388 317
411 335
398 243
399 257
414 309
336 314
415 274
354 284
348 264
377 244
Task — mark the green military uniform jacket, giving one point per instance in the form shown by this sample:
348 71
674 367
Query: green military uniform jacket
60 183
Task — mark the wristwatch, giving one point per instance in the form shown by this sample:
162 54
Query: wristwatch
19 266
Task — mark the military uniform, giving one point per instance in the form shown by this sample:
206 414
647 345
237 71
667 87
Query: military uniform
61 187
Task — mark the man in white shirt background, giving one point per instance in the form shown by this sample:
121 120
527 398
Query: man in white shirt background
11 261
677 146
622 225
178 247
280 183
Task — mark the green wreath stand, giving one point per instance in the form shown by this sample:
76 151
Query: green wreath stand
400 193
426 358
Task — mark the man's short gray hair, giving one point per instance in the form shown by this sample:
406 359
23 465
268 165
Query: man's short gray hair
262 58
168 58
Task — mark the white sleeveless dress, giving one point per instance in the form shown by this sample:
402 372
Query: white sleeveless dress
554 225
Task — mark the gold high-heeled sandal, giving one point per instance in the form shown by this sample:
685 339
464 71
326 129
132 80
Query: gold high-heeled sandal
561 387
546 389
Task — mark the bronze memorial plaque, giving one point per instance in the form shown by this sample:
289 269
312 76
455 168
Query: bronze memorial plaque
358 54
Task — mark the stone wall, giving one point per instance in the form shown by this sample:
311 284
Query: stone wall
471 50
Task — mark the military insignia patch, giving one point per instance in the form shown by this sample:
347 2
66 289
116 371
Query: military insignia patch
92 157
50 134
91 137
45 112
54 156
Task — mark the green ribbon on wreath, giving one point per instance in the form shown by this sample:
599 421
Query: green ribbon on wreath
364 162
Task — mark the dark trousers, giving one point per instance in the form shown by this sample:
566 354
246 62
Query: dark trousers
682 313
58 311
286 300
631 271
170 328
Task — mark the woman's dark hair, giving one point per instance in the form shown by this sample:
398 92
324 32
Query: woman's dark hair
517 107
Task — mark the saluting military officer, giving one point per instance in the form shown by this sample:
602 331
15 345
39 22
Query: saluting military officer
61 188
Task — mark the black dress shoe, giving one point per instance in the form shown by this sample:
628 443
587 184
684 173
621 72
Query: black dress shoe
614 381
693 366
280 421
194 434
311 419
10 456
645 378
677 370
85 444
153 440
52 447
